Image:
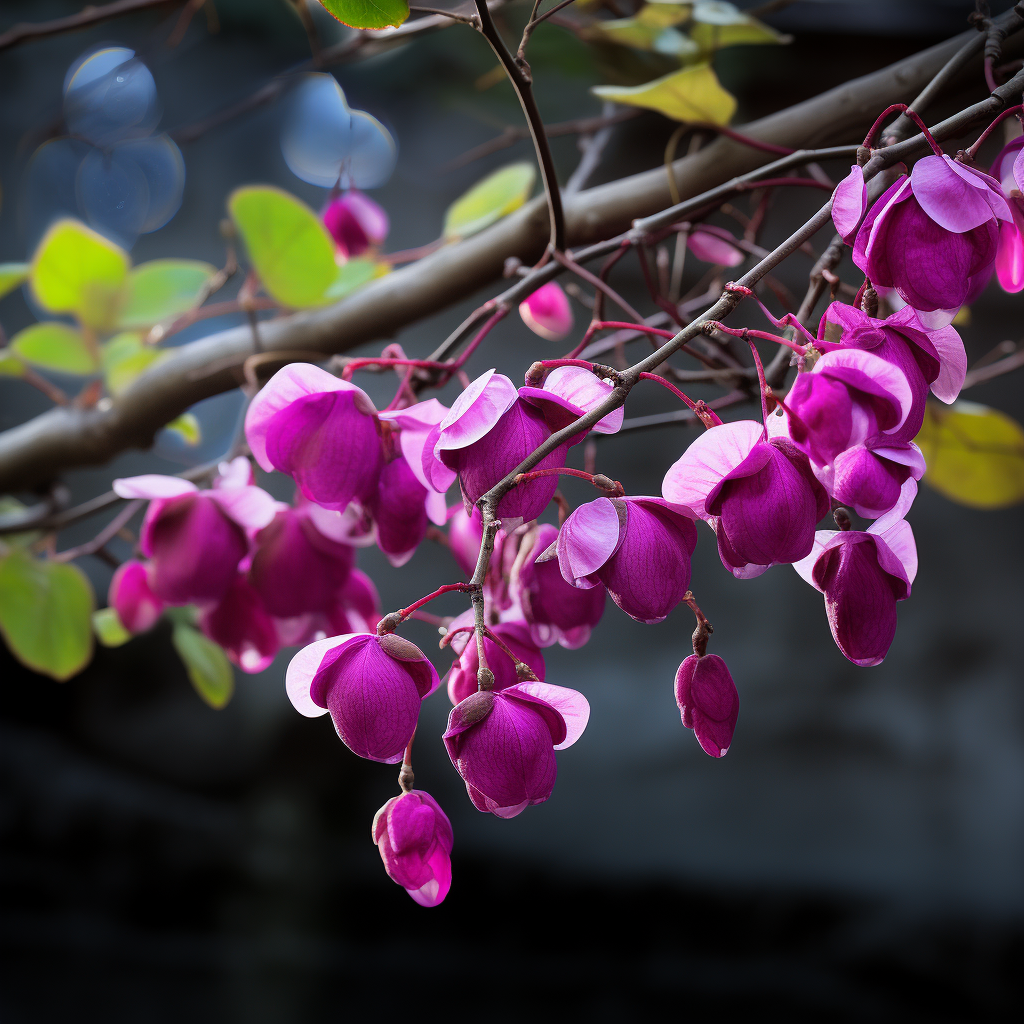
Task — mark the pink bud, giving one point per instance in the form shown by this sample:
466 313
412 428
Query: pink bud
414 837
136 605
708 701
355 222
547 312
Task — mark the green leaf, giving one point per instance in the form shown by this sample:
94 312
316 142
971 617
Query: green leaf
123 358
717 37
975 454
693 94
288 245
642 36
662 15
11 275
75 270
108 628
489 200
46 614
161 289
11 506
55 346
10 364
186 426
206 663
352 275
368 13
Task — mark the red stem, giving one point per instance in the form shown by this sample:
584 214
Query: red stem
690 403
463 588
988 131
906 111
536 474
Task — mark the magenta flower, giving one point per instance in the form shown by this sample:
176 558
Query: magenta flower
241 624
554 609
708 702
355 222
933 236
399 510
296 569
639 548
415 838
195 539
872 479
568 393
1008 169
708 245
759 495
415 425
356 609
371 685
547 312
514 633
862 575
130 596
320 430
849 202
503 743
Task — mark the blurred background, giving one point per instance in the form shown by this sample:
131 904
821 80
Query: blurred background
856 856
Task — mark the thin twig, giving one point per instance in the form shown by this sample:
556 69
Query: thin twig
24 31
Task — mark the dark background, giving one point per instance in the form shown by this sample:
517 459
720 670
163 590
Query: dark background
856 856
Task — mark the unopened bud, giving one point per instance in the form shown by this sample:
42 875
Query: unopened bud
535 375
389 623
484 679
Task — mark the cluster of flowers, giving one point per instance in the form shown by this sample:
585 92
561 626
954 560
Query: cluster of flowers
843 436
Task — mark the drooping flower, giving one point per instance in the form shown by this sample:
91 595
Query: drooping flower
355 609
196 539
554 609
863 573
241 624
415 839
399 510
320 430
933 236
872 478
708 701
503 743
371 685
514 633
711 247
547 312
130 596
415 424
758 494
568 393
1008 169
355 222
639 548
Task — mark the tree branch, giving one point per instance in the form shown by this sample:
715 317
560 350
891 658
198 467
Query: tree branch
24 31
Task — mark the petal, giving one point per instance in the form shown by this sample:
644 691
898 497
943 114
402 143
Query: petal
849 201
570 704
588 538
952 363
421 416
152 485
871 374
907 495
824 540
236 473
899 540
476 411
950 200
584 390
547 312
302 669
251 507
712 249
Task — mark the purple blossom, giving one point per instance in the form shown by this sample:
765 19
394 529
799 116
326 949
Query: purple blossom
371 685
415 838
415 424
1008 169
130 596
639 548
503 743
356 609
320 430
241 624
568 393
554 609
934 236
863 573
355 222
547 312
707 245
399 510
708 702
872 479
759 495
514 633
849 202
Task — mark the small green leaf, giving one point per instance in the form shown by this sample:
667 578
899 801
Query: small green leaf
46 614
75 270
186 426
352 275
717 37
368 13
108 628
55 346
975 454
207 665
662 15
693 94
642 36
10 364
288 245
123 358
11 275
12 507
160 289
498 195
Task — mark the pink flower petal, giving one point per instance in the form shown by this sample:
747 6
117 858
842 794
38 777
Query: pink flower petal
588 538
153 486
712 249
849 201
951 201
897 551
570 704
251 507
547 312
476 411
824 540
584 390
895 515
301 670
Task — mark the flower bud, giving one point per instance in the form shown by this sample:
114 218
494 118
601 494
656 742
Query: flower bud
130 596
355 222
414 837
708 701
547 312
515 634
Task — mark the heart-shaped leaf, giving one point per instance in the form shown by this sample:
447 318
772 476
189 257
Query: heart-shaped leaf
123 358
489 200
108 628
46 614
10 365
693 94
11 275
206 663
368 13
161 289
353 275
288 245
55 346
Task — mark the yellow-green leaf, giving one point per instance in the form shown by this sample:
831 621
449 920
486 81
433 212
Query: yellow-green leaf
751 31
186 426
123 358
46 614
55 346
206 663
10 364
693 94
642 36
662 15
352 275
498 195
290 248
108 628
368 13
975 454
75 270
11 275
161 289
